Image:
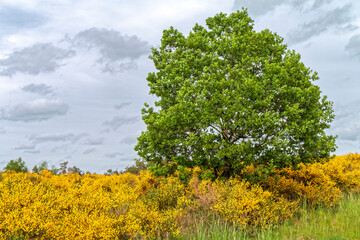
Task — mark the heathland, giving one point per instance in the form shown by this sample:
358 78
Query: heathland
290 203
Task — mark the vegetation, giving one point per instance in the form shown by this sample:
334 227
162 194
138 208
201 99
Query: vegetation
42 166
229 97
341 222
19 166
139 165
323 223
142 206
16 166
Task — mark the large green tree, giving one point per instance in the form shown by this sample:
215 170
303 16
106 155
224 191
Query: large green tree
228 96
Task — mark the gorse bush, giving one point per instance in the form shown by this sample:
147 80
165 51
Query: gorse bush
308 184
318 183
344 171
71 206
250 206
142 206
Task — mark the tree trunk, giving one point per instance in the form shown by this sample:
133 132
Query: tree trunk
227 170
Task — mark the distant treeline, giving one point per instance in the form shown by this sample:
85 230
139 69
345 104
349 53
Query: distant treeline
20 166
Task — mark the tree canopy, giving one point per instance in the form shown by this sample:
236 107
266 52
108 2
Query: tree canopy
228 97
16 165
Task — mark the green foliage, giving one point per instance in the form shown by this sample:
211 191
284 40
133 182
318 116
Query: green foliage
75 169
65 169
139 165
55 171
111 172
16 165
42 166
229 97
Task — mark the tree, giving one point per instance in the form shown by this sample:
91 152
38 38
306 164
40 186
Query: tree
54 170
63 167
228 97
75 169
37 169
16 165
139 165
110 172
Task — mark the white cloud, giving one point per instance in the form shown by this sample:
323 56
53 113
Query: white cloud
112 44
349 132
320 3
114 154
39 58
52 137
118 122
262 7
339 18
25 147
353 46
89 150
122 105
129 140
346 124
57 137
33 151
36 110
117 52
97 141
258 7
77 137
60 148
41 89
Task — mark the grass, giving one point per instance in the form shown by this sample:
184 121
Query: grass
339 223
209 226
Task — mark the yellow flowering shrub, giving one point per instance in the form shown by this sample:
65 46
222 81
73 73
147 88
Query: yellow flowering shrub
71 206
344 171
167 199
309 184
250 206
129 206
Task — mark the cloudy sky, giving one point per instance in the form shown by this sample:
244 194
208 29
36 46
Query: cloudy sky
73 73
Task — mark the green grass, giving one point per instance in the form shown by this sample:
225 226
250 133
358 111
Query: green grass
212 227
339 223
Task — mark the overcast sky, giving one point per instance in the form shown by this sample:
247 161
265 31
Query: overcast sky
73 73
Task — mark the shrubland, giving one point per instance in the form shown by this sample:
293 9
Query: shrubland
141 206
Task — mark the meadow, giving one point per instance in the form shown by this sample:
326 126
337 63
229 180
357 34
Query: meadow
313 201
